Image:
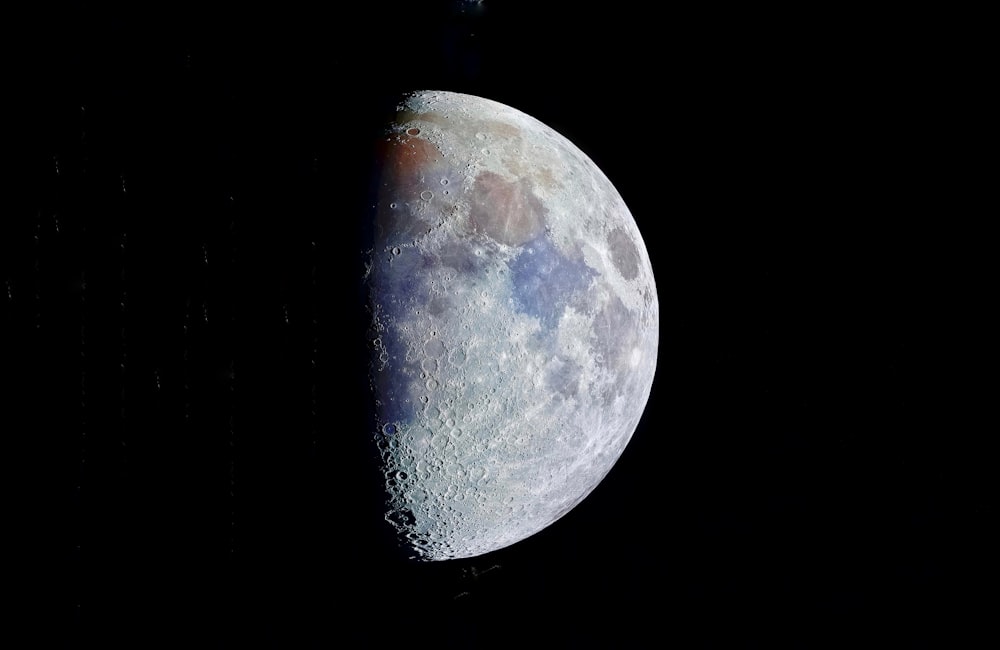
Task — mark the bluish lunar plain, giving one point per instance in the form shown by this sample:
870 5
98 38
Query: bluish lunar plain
514 325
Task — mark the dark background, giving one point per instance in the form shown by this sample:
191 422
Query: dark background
184 357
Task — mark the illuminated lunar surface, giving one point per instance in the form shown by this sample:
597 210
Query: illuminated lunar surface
514 325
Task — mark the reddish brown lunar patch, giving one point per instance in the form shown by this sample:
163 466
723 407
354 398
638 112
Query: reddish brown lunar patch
506 211
411 168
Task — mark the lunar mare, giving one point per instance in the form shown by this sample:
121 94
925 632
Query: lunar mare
514 324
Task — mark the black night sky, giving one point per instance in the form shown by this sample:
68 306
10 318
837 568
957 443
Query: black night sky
184 354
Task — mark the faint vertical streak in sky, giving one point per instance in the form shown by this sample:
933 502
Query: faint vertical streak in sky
83 370
186 358
315 346
82 442
83 361
232 385
83 139
124 343
38 270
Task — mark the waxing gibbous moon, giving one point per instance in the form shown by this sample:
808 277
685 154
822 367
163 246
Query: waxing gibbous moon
514 324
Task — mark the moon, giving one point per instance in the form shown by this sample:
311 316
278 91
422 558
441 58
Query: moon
514 325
